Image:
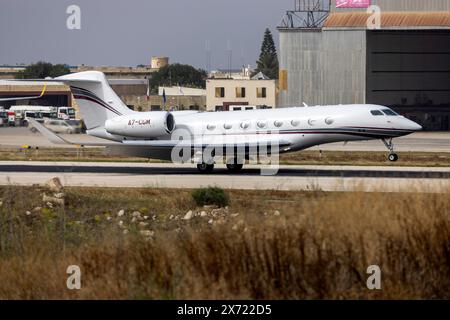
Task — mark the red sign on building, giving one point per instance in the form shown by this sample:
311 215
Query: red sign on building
352 3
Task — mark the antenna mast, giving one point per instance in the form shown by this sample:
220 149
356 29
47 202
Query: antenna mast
307 14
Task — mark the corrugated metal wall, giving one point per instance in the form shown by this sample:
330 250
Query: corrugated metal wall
323 67
404 5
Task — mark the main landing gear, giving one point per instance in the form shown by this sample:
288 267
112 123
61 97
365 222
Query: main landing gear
233 166
205 168
393 157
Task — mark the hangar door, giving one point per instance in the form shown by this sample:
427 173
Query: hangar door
410 72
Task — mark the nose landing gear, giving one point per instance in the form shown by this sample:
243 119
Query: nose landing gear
393 157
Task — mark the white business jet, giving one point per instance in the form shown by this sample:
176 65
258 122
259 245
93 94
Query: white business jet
157 134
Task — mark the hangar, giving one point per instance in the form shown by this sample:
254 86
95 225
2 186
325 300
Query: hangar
329 55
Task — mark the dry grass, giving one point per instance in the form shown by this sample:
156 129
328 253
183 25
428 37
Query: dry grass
282 245
298 158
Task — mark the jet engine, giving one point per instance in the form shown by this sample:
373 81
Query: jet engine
142 125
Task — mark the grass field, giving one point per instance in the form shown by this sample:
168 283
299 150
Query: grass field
421 159
135 244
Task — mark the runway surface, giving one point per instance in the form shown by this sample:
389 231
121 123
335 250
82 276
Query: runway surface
417 142
325 178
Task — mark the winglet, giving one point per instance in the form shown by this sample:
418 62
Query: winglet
43 91
51 136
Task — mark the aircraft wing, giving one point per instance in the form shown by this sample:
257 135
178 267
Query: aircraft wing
25 98
56 139
188 143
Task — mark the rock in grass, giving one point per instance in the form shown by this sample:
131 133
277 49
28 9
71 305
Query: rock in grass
136 214
147 233
189 215
54 185
121 213
52 200
143 224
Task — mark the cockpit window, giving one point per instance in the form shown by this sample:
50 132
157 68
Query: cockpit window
389 112
376 112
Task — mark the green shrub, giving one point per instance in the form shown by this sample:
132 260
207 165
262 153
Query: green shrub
210 196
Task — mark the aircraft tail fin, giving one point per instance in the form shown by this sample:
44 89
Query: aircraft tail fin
97 101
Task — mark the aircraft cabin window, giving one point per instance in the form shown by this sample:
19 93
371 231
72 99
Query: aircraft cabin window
329 121
262 124
278 124
227 126
311 122
376 113
295 123
390 113
245 125
211 127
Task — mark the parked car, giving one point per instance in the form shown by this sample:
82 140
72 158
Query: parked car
63 126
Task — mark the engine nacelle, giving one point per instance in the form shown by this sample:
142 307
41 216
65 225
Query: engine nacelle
142 125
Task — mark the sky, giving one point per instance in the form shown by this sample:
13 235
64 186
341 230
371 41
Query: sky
128 33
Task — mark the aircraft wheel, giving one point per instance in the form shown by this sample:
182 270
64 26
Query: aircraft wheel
235 167
205 168
393 157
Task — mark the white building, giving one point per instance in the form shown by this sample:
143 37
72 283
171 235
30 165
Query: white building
223 93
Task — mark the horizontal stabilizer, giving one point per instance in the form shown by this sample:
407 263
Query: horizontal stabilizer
55 139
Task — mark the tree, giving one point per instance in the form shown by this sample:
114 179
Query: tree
268 58
179 75
41 70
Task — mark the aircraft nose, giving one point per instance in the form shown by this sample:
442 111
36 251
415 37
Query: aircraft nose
415 126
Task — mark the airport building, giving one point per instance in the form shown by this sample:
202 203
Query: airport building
222 94
335 53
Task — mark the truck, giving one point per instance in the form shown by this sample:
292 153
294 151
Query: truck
3 118
11 118
63 113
